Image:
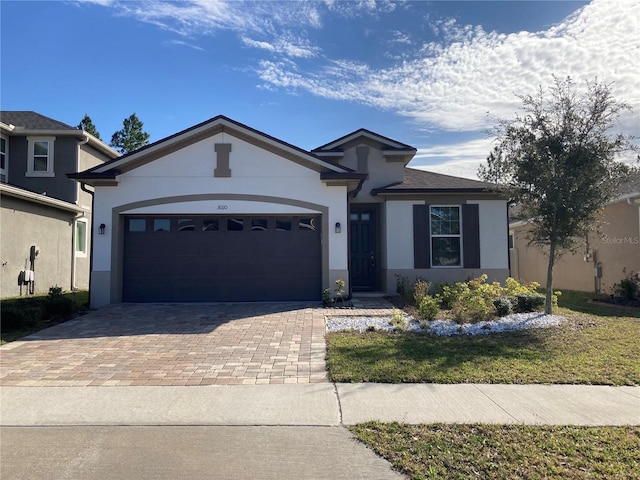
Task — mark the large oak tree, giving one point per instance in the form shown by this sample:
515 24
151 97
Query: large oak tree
558 162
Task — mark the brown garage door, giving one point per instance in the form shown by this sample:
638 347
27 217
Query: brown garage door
221 258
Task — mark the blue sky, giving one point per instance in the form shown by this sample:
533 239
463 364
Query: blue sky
434 75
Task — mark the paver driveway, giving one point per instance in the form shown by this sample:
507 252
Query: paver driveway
173 344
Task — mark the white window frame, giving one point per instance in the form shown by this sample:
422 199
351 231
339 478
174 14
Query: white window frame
449 235
83 252
31 172
5 171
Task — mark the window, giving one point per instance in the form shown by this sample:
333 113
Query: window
40 161
161 225
283 224
186 225
81 237
210 225
259 224
235 224
4 158
137 224
446 239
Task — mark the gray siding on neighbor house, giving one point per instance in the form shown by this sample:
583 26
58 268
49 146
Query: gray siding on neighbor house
23 224
65 160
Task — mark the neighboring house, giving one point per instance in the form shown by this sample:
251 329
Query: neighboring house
603 259
223 212
45 222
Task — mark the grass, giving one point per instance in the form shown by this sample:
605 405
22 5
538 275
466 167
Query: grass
593 347
37 302
512 451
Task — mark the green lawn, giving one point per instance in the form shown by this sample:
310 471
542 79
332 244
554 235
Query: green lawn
593 347
499 451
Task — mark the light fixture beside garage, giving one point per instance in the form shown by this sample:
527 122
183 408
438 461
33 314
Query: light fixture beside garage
338 227
102 228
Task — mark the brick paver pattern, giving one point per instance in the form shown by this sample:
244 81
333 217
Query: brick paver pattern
174 344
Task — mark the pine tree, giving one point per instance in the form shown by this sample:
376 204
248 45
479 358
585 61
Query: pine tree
131 136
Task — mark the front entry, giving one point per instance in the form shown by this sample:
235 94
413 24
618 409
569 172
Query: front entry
364 248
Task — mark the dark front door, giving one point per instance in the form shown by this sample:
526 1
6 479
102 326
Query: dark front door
364 264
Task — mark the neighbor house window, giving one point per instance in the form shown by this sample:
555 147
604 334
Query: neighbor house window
446 238
40 160
4 158
81 237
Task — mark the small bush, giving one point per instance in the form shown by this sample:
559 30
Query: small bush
398 321
428 308
451 293
420 291
503 306
628 288
404 288
529 302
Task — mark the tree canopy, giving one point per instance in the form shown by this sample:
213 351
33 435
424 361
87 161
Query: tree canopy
87 125
558 163
131 136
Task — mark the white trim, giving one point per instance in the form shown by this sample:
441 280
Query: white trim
17 192
31 171
80 253
453 235
5 171
369 135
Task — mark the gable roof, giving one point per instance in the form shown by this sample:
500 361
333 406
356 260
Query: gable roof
208 128
422 181
30 120
389 144
27 122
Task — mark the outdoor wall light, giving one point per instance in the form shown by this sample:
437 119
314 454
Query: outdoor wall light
101 228
338 227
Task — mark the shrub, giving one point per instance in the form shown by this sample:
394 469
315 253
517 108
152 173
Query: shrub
472 306
57 305
398 321
450 293
428 307
404 288
628 288
503 306
17 317
420 291
529 302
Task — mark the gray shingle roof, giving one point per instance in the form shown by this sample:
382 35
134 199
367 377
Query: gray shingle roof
423 181
32 121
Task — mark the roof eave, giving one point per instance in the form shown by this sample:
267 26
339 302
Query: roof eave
20 193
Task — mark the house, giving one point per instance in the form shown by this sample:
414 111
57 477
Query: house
45 222
223 212
604 258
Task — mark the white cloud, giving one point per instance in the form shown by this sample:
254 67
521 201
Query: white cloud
184 44
455 83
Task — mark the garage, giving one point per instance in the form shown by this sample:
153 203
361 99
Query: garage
213 258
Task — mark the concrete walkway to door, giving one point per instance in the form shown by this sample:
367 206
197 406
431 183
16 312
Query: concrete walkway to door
174 345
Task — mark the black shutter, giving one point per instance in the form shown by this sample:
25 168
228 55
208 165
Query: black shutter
471 235
421 237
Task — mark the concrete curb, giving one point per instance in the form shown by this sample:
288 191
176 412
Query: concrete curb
322 404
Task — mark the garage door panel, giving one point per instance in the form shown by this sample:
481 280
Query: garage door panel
262 264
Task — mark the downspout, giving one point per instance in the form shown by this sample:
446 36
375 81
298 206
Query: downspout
84 188
73 230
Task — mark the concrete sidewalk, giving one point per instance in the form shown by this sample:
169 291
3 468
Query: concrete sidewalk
323 404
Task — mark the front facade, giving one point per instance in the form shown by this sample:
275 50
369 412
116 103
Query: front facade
46 217
604 258
222 212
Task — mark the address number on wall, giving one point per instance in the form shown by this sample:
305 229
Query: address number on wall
223 207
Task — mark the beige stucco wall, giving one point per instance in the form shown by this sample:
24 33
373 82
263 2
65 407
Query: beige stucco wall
23 224
616 250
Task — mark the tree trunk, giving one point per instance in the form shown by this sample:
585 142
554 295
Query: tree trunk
548 308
